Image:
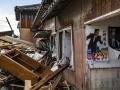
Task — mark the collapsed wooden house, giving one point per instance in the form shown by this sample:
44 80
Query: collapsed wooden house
23 67
72 22
26 69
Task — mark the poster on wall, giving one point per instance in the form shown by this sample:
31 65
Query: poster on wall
97 46
114 42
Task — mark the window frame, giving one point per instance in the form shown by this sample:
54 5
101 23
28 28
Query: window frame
63 44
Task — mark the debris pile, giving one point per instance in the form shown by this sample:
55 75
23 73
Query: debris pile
21 61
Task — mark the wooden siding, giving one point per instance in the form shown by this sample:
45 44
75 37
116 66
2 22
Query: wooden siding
25 34
26 20
100 7
26 23
50 25
75 14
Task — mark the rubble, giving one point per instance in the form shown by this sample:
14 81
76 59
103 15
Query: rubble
21 61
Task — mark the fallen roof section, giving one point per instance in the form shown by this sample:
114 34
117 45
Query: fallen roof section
18 43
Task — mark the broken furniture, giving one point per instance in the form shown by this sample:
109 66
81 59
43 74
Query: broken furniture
23 67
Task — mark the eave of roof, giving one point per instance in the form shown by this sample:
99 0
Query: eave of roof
53 9
25 8
44 6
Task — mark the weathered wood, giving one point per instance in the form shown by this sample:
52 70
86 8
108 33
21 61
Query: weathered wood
23 67
27 84
18 43
103 17
2 78
115 4
16 55
29 60
17 69
45 80
15 85
56 81
36 67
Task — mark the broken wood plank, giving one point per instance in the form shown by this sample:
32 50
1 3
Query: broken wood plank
28 59
17 69
45 80
2 78
15 55
27 84
56 81
15 85
38 68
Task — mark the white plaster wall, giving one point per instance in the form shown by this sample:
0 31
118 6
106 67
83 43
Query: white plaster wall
105 79
113 54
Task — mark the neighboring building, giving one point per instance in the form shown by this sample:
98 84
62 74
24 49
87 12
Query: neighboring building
25 15
95 63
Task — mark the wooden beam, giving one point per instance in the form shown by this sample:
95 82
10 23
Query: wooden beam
56 82
45 80
28 59
15 85
38 68
17 69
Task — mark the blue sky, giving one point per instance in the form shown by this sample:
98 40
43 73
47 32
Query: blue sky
7 10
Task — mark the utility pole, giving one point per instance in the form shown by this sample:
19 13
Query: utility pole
10 25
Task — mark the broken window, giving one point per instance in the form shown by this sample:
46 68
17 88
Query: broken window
65 47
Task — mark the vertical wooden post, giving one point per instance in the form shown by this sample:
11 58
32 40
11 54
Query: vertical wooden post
27 84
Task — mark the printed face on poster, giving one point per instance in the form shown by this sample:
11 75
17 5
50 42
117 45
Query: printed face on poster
97 47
